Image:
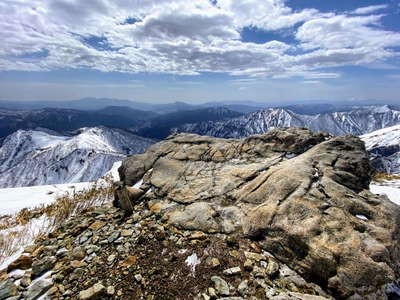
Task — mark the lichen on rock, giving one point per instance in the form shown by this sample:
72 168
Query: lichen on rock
299 193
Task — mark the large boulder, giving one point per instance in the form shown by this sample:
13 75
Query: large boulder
303 195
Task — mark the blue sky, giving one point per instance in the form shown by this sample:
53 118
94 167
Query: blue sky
200 50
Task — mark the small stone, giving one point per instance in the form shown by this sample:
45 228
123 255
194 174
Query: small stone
272 268
97 225
113 237
23 262
37 251
232 271
7 289
129 261
39 267
242 288
78 253
205 297
213 262
198 235
234 253
221 286
95 292
50 250
37 289
212 292
85 237
253 256
258 272
138 278
110 290
78 264
126 233
52 291
25 280
111 259
16 274
61 253
248 264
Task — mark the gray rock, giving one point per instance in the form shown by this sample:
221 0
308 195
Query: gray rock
197 216
301 208
41 266
7 289
78 253
299 296
242 288
97 291
113 237
38 289
221 286
232 271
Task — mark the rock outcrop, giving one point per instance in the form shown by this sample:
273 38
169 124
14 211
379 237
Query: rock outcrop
283 215
303 196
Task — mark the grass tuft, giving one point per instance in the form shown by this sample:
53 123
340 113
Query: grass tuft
385 176
23 228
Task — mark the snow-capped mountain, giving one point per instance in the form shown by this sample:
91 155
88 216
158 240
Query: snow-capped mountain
384 149
358 121
30 157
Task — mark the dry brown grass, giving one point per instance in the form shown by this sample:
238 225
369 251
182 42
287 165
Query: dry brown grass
385 176
20 230
75 202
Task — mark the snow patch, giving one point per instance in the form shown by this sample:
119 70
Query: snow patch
192 261
362 217
138 184
392 192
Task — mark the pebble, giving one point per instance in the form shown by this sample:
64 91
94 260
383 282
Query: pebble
221 286
95 292
232 271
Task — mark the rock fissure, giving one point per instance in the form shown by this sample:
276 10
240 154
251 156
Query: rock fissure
309 197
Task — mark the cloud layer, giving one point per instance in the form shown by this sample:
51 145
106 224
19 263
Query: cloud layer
188 37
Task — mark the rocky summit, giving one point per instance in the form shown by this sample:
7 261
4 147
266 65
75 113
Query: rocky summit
282 215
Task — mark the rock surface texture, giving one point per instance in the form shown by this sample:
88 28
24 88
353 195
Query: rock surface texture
283 215
303 196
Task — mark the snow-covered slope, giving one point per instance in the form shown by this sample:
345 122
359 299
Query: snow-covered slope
30 158
359 121
390 188
15 199
384 149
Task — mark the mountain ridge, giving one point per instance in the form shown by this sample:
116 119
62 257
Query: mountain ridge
357 122
50 159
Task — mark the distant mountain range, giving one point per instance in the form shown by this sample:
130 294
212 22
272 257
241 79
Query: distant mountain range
63 120
98 103
245 106
144 123
160 127
357 121
30 157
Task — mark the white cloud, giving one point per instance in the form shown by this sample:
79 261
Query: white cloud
369 9
265 14
186 37
311 81
343 31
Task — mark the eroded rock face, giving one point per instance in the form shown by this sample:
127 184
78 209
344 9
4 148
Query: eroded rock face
303 195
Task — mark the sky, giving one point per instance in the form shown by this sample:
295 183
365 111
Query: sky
200 50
